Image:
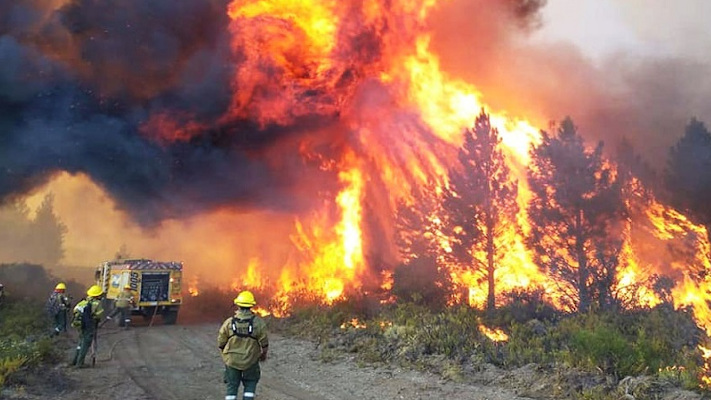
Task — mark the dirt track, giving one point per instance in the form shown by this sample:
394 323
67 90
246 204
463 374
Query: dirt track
182 362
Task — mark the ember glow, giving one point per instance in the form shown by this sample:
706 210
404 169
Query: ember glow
354 323
496 335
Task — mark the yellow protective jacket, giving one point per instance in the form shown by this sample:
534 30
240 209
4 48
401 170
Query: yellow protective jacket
97 311
123 299
240 347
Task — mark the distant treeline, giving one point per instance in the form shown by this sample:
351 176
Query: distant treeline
32 281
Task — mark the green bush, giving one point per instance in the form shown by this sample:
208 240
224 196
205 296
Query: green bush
627 343
531 342
24 339
603 348
20 319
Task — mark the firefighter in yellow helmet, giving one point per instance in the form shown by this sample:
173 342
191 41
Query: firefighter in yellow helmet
243 341
87 314
124 301
58 306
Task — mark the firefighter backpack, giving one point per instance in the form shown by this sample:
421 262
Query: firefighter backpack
83 317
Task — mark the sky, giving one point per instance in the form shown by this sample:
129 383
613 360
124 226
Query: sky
602 28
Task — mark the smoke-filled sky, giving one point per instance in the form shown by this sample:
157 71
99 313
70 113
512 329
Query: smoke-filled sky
619 68
91 87
604 28
653 56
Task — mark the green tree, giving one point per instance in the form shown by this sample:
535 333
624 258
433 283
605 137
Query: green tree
688 175
576 215
481 202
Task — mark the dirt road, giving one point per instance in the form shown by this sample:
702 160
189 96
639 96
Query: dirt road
182 362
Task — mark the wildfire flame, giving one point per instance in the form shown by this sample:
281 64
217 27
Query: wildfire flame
496 334
193 287
354 323
706 377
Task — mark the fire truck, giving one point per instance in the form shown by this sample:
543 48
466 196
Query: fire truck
155 285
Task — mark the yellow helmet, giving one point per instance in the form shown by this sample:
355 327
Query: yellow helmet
127 287
94 291
60 286
245 299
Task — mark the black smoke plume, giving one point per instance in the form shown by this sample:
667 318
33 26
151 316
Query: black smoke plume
77 82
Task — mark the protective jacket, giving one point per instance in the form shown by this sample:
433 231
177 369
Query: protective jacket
242 339
124 299
97 312
57 302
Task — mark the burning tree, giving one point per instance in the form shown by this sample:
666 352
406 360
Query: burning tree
480 202
632 167
417 224
418 227
689 172
575 212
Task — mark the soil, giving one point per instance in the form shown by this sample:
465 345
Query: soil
182 362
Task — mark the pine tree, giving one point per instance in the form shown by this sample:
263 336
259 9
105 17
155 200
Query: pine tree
417 223
14 232
47 234
576 215
420 277
481 202
689 172
631 166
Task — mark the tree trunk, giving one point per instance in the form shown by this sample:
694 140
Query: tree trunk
583 292
490 267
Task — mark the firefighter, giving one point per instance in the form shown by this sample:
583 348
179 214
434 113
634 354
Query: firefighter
87 314
124 301
243 341
58 306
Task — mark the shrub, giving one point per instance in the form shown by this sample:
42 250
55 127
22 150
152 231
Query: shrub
24 339
604 348
422 282
521 307
660 343
9 365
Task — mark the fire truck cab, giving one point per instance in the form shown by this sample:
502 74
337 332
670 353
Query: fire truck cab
155 286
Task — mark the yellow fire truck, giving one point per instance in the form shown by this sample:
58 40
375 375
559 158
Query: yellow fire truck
155 284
